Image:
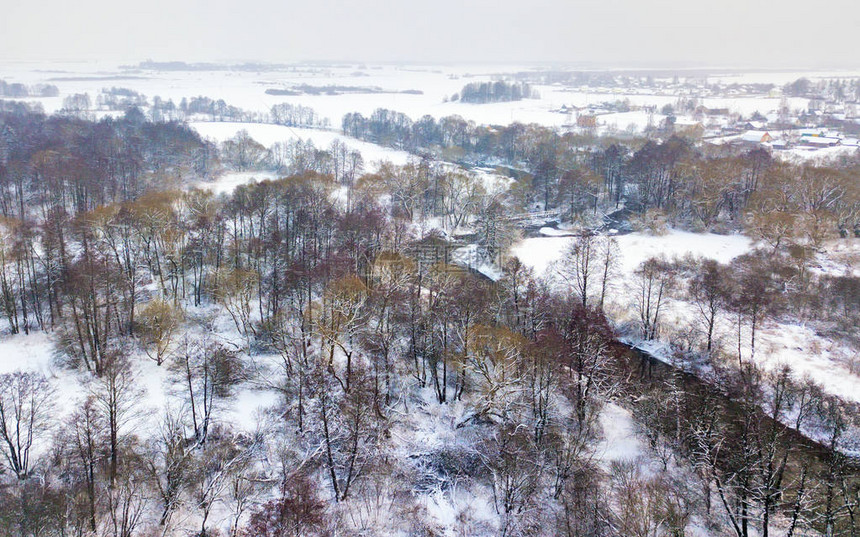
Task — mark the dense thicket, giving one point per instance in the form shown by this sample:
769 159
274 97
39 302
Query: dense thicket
64 165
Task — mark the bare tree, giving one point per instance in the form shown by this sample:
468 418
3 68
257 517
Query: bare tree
297 513
215 466
348 429
25 410
204 373
638 512
584 505
753 295
608 257
581 265
82 452
655 277
515 465
707 289
116 395
169 464
159 322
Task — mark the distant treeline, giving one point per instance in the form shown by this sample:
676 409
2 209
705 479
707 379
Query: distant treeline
462 138
166 110
293 157
184 66
331 89
701 188
20 107
494 92
283 92
296 115
306 89
217 110
18 90
120 99
693 79
842 91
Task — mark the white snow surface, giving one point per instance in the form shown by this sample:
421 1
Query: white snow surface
634 248
474 257
37 352
268 135
809 354
247 90
620 441
800 155
227 182
27 353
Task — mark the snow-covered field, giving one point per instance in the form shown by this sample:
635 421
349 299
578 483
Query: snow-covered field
620 441
799 155
809 354
387 83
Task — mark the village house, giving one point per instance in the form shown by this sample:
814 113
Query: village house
431 250
712 111
813 133
587 121
819 141
754 138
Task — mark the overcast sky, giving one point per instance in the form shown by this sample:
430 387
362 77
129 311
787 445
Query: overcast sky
758 33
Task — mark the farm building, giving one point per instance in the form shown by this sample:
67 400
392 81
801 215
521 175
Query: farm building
754 138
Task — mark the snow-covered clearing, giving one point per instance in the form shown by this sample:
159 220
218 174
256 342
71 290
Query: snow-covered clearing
268 135
227 182
630 121
28 353
810 354
840 258
637 247
620 441
634 248
38 352
836 368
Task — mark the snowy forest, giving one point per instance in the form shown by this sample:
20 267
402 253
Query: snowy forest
343 348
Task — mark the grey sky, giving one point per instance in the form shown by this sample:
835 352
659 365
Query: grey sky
784 33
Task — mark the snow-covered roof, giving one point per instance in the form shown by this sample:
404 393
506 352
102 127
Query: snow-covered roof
475 258
754 136
820 140
812 132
